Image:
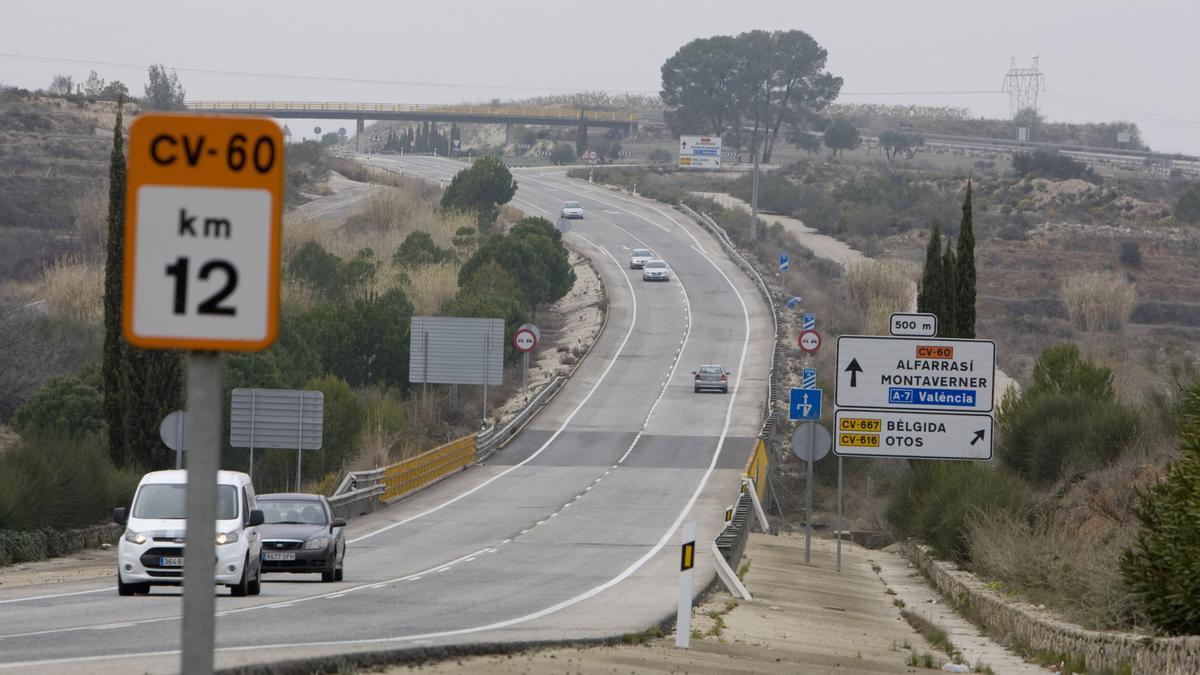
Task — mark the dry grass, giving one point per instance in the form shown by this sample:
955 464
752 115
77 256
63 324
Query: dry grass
431 287
878 289
74 288
1099 301
1046 560
89 211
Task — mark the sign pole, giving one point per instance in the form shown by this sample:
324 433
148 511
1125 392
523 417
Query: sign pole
299 441
839 516
687 560
487 358
251 471
525 376
203 459
180 430
808 490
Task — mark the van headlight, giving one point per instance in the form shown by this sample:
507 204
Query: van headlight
316 544
135 537
226 538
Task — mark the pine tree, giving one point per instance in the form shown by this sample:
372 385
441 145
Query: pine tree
947 322
965 277
113 285
931 293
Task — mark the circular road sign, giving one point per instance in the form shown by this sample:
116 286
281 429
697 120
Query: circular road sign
524 340
804 437
810 341
172 428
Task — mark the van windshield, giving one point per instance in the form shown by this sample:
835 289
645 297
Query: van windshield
165 501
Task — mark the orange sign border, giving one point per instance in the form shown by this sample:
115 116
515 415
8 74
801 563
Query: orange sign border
142 171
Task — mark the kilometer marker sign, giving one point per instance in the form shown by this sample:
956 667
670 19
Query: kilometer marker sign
915 435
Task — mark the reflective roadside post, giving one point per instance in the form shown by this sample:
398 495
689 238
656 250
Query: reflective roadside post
203 202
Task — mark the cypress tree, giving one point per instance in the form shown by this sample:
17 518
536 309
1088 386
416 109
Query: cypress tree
113 285
965 276
931 293
947 322
581 137
151 388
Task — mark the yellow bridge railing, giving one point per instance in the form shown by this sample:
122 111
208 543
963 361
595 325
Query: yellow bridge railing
425 468
451 110
756 468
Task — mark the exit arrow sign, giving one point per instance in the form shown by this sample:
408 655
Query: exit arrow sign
805 404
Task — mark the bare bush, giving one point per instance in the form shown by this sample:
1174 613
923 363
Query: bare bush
1046 560
878 289
89 211
73 288
1099 301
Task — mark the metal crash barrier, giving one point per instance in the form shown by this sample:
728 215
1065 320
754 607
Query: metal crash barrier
427 467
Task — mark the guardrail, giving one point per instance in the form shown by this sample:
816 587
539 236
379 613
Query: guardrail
485 111
492 439
412 474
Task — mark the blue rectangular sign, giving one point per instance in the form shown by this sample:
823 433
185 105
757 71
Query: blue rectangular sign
805 405
926 397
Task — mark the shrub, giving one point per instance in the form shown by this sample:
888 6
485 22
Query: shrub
1099 301
365 342
482 188
533 253
877 290
65 406
59 482
344 416
1187 209
1046 163
334 279
935 500
418 249
661 157
1161 567
1131 253
1057 434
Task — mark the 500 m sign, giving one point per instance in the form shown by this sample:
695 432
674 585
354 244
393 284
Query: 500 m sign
202 232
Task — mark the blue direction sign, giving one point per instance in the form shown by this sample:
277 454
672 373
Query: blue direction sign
808 378
810 321
783 262
805 405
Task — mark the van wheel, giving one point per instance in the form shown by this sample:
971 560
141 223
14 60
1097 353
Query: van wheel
338 574
241 588
255 587
328 576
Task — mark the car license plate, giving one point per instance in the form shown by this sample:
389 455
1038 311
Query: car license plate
170 562
278 555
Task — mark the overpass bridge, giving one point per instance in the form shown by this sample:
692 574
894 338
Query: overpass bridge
361 112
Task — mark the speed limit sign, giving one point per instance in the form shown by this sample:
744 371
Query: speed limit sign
202 231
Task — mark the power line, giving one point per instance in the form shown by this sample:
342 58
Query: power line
308 78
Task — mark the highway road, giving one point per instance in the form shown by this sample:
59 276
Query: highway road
570 532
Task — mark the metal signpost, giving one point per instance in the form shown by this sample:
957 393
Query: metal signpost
172 431
203 209
699 152
687 560
810 442
525 340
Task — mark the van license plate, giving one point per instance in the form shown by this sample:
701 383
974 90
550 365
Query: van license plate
170 562
277 555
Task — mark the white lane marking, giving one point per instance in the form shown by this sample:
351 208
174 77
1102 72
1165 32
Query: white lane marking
290 602
592 592
58 595
603 375
112 626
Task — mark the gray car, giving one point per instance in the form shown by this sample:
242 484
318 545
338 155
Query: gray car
711 377
300 535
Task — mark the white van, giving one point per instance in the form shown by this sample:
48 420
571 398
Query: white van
151 552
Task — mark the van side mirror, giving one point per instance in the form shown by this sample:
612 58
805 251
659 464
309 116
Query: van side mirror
338 522
120 516
256 518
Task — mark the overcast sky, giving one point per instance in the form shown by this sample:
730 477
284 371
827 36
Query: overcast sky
1103 59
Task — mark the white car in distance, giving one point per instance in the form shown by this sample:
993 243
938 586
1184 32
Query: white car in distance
572 210
656 270
639 258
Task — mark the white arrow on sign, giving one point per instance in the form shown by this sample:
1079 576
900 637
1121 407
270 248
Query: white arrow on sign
806 405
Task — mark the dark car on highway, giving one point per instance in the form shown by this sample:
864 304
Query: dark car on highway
301 535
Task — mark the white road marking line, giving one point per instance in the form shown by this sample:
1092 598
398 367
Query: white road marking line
113 625
58 595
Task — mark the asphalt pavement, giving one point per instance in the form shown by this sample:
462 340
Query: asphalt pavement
570 532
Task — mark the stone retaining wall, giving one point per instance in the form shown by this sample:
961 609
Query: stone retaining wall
1024 624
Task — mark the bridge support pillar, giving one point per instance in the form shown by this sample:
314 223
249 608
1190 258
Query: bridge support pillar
508 133
360 124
